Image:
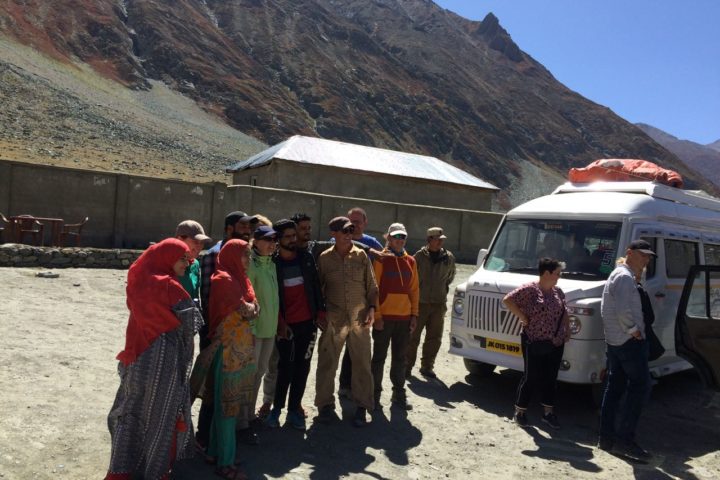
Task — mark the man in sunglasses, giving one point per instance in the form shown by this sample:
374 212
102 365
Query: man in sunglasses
350 292
436 269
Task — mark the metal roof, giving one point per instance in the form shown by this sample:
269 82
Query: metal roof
319 151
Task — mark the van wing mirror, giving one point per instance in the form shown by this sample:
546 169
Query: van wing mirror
481 256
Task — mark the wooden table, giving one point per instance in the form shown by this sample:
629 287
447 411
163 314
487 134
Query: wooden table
56 225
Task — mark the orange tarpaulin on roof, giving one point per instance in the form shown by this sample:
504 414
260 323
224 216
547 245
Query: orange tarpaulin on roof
624 170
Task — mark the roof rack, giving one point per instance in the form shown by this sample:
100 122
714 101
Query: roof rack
693 198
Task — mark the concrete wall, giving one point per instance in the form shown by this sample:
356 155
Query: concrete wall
129 211
359 184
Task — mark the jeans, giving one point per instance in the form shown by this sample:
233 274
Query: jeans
627 372
540 372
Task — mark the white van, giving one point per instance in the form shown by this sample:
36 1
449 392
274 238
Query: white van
588 226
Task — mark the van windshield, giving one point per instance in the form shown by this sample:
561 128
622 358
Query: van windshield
587 247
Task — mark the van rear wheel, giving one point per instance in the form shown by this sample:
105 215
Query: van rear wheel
478 368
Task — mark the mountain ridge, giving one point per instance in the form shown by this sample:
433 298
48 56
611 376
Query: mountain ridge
404 75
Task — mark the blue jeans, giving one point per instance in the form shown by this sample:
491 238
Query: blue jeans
627 372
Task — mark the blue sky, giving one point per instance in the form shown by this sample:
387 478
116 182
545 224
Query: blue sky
656 62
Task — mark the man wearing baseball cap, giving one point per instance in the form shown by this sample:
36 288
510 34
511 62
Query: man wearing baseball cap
436 270
627 354
350 291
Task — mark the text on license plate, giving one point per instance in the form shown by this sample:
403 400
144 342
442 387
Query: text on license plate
508 348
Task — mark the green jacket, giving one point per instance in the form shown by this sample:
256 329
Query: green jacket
191 280
263 276
436 274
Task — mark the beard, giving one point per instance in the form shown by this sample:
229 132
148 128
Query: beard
290 247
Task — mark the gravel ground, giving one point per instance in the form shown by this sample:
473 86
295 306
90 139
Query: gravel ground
59 337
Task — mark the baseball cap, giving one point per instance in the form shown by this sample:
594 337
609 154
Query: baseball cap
192 229
337 224
641 246
239 216
435 232
395 229
263 231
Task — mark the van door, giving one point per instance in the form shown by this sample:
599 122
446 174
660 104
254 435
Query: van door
697 326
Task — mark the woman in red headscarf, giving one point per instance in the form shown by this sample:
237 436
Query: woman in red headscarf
150 422
225 370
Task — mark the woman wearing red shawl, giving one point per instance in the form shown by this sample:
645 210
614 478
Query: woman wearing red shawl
225 370
150 422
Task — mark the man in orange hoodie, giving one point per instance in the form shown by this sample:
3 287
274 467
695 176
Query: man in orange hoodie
396 317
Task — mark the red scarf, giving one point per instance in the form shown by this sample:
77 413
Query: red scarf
230 285
152 291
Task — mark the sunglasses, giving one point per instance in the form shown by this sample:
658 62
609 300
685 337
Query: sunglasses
399 236
350 229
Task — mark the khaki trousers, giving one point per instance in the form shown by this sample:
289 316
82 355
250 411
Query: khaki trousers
432 319
357 337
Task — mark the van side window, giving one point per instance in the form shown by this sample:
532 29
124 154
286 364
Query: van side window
679 256
712 254
652 265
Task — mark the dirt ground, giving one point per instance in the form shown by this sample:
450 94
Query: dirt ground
59 338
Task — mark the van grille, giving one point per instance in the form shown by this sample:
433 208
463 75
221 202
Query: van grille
487 314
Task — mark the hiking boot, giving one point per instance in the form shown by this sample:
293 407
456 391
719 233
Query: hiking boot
296 420
360 419
272 420
631 450
402 403
521 419
264 411
551 420
428 373
327 414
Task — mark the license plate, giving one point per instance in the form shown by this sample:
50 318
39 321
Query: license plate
507 348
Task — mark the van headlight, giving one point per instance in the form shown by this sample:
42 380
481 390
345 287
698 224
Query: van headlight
575 325
458 306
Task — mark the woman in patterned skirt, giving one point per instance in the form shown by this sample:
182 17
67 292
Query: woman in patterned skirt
225 370
150 422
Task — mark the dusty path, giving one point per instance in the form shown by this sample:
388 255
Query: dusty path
58 339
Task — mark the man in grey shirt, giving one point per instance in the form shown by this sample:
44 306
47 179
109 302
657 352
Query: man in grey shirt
627 353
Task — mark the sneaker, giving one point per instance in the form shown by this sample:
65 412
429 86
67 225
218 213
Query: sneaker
327 414
631 450
605 443
264 411
428 373
272 420
402 403
360 419
521 419
296 420
550 419
344 392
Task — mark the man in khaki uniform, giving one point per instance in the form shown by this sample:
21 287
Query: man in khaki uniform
436 270
350 291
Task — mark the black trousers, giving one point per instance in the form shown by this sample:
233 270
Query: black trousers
294 364
207 409
540 374
396 336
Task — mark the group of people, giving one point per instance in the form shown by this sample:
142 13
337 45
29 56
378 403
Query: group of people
627 318
257 299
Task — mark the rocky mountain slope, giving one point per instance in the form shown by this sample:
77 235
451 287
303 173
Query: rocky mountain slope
399 74
701 158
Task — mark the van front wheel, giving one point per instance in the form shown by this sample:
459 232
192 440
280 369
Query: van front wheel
478 368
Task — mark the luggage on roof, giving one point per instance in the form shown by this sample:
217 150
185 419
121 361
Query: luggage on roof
624 170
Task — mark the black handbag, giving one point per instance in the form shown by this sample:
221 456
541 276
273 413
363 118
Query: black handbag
544 347
655 348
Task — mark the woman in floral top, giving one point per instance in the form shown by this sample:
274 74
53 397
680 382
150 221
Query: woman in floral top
540 307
